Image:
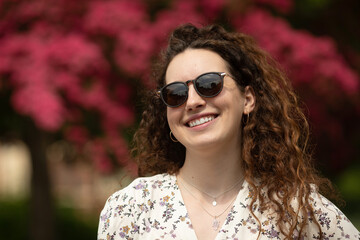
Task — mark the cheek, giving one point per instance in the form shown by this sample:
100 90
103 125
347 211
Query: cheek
172 116
233 102
168 116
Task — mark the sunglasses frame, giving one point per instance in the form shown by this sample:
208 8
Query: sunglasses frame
220 74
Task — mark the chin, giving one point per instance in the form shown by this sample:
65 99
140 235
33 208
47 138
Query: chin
202 144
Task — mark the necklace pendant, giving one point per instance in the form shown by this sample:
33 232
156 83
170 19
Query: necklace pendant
215 224
214 203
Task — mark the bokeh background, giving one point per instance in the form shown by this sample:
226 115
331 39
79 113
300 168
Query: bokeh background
70 77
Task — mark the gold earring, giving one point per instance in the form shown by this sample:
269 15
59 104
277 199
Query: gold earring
247 118
173 138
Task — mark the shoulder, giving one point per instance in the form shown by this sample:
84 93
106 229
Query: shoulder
333 223
142 187
326 216
121 207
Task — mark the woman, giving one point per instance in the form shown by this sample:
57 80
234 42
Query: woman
225 145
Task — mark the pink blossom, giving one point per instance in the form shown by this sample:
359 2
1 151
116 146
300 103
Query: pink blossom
339 71
309 58
64 80
40 62
40 103
10 48
111 17
183 11
116 115
212 8
134 49
77 134
23 54
123 92
27 10
76 54
94 96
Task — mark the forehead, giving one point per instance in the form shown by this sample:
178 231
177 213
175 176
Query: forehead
193 62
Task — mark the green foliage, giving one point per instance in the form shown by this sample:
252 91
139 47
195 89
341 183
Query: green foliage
349 183
70 226
14 222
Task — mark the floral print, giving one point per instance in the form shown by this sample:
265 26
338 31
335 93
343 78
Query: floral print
153 208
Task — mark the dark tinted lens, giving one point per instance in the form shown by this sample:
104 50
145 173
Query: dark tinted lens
175 94
209 85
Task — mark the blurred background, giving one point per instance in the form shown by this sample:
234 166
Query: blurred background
70 73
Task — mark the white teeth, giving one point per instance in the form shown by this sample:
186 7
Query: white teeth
201 121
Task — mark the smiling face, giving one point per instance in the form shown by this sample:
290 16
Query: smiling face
201 122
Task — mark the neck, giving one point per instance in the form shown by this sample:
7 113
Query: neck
214 171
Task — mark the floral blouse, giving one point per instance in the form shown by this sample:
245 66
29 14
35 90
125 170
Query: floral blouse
153 208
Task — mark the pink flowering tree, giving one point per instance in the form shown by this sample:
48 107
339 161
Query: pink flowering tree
72 69
321 76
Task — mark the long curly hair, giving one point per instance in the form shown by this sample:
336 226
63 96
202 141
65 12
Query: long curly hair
274 146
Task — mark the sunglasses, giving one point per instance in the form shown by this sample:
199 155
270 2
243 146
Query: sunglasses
206 85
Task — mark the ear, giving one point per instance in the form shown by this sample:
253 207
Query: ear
250 100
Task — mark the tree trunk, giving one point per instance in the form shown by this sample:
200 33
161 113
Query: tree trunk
42 220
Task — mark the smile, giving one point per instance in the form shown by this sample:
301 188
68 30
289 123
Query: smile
200 121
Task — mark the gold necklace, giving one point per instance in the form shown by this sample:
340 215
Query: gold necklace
214 202
216 222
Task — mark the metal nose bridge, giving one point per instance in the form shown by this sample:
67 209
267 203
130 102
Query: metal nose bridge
197 93
194 85
190 81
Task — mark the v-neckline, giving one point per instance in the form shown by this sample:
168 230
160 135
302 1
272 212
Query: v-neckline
181 199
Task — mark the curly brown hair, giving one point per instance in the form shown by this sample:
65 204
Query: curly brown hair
274 150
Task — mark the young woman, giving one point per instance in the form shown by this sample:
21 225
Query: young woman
223 144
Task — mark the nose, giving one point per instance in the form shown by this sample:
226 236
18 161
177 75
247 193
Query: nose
194 100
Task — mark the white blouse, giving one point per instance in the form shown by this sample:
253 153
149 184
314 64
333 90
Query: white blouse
153 208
